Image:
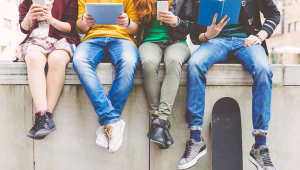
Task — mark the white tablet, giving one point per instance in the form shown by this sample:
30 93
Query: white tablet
104 13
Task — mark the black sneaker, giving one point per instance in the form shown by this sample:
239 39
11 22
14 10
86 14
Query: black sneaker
260 157
193 152
45 125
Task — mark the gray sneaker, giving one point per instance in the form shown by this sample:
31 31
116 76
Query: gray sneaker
261 158
193 152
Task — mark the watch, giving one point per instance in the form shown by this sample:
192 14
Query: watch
177 24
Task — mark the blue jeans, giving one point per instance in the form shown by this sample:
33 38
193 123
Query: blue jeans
255 60
124 56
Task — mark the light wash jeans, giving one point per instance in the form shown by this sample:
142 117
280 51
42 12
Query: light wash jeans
255 60
124 56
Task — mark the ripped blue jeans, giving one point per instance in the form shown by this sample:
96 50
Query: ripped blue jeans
218 50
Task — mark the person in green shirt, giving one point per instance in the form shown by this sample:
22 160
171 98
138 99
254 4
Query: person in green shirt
162 38
274 56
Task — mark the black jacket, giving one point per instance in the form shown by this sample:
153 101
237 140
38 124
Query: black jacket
180 8
252 10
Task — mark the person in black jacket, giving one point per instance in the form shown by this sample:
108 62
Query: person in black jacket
162 36
245 42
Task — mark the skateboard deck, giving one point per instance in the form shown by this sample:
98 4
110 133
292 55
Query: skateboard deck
226 135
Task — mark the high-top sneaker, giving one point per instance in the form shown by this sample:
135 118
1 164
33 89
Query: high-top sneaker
260 157
32 131
45 125
193 152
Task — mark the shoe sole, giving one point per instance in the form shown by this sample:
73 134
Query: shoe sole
194 161
167 147
117 146
158 143
254 162
44 134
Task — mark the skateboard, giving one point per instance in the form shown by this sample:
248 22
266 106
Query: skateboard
226 135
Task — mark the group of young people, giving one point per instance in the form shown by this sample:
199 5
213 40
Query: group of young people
144 34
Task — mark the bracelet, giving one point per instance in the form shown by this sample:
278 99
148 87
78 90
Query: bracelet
205 37
177 23
128 22
29 27
259 38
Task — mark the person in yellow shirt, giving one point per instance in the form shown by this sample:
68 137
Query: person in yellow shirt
118 43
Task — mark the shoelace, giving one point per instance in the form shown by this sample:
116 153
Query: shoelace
41 124
107 130
266 157
188 149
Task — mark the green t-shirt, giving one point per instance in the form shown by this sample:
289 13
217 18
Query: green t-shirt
234 30
157 32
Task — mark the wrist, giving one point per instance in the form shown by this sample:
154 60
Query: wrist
176 22
208 36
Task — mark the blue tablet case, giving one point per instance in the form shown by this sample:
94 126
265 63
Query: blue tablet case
208 8
104 13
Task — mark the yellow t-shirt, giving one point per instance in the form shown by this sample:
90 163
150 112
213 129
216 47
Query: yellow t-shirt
114 31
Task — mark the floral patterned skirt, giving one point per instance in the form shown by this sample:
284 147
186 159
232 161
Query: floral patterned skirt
45 45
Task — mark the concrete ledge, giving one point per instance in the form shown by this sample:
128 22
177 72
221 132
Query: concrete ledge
218 74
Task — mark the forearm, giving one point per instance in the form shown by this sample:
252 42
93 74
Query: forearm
61 26
26 23
132 29
81 27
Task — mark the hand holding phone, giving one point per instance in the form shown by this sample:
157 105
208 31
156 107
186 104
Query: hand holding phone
35 12
162 6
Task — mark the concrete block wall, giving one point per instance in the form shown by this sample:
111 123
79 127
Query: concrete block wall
72 145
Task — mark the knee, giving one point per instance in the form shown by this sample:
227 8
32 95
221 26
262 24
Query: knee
174 67
148 66
35 61
56 62
194 66
262 70
128 62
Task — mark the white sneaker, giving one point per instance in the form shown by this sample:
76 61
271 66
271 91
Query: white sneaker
116 135
101 139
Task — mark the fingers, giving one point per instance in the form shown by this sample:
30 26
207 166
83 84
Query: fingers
224 23
124 15
251 40
222 20
34 6
215 19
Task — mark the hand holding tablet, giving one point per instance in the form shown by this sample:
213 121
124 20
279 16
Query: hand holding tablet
106 13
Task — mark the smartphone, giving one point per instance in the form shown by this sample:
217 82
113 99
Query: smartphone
40 2
162 6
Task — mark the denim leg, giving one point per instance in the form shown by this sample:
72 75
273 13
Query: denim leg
87 56
255 60
206 55
124 56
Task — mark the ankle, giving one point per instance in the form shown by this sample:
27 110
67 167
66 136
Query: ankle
39 113
196 135
259 141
